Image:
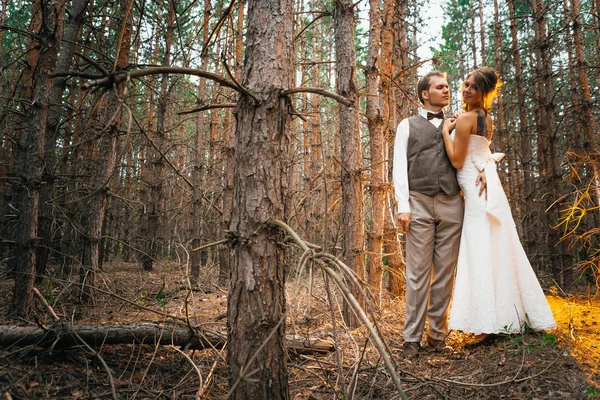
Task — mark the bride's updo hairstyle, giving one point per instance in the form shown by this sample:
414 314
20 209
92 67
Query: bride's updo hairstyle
488 83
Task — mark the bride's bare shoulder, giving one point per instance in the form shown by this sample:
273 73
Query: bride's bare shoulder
468 117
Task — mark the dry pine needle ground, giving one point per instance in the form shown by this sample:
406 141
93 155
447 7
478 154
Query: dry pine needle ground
552 365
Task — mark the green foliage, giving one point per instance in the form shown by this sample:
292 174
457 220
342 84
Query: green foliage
46 289
549 339
161 298
516 342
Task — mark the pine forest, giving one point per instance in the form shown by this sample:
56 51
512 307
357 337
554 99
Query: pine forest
196 196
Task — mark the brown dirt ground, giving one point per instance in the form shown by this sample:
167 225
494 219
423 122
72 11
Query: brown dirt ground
563 364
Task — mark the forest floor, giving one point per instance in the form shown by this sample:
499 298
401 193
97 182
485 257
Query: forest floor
561 364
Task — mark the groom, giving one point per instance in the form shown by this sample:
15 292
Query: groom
430 212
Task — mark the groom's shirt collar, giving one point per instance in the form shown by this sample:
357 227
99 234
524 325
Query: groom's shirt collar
436 121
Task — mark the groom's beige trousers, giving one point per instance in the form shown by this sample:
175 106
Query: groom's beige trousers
432 244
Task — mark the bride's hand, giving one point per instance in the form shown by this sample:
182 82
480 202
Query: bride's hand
449 124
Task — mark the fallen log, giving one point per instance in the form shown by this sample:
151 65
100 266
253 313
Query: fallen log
61 335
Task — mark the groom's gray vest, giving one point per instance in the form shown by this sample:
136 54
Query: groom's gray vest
429 168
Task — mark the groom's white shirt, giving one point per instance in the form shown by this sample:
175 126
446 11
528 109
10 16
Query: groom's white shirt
400 174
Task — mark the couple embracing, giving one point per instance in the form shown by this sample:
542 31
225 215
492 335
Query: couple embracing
467 242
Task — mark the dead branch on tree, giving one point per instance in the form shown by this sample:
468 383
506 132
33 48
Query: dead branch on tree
121 76
207 107
322 92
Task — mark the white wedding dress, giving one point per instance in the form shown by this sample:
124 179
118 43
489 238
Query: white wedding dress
496 289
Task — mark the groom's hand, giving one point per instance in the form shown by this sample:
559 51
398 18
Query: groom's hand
403 221
481 179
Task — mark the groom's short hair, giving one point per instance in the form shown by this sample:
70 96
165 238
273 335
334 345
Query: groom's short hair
424 83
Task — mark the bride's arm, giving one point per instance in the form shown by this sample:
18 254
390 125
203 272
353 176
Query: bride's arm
457 148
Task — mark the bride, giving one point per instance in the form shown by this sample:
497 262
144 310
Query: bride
496 290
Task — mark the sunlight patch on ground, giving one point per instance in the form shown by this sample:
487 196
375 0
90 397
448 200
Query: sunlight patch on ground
579 323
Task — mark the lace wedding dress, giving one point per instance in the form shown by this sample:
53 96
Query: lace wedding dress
496 289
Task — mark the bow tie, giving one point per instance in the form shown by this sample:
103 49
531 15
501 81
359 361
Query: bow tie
431 115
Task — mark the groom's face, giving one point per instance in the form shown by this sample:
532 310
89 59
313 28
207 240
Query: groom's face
438 95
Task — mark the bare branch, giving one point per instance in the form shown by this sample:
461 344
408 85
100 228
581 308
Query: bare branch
122 76
207 107
340 99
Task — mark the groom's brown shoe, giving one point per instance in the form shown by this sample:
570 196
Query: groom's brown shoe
438 345
411 350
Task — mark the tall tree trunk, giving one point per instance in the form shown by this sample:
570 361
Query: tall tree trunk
198 258
351 154
2 21
107 160
225 259
74 23
375 120
502 137
596 24
473 41
482 34
46 23
317 163
528 217
399 109
153 211
548 141
590 132
256 301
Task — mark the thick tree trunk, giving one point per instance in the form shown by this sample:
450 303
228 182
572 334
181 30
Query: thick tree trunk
42 57
351 153
256 301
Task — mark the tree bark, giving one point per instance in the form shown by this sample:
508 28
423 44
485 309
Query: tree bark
225 258
96 208
398 108
472 26
548 142
528 214
590 132
482 34
375 120
317 200
63 335
46 23
256 301
47 221
349 133
198 258
153 210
